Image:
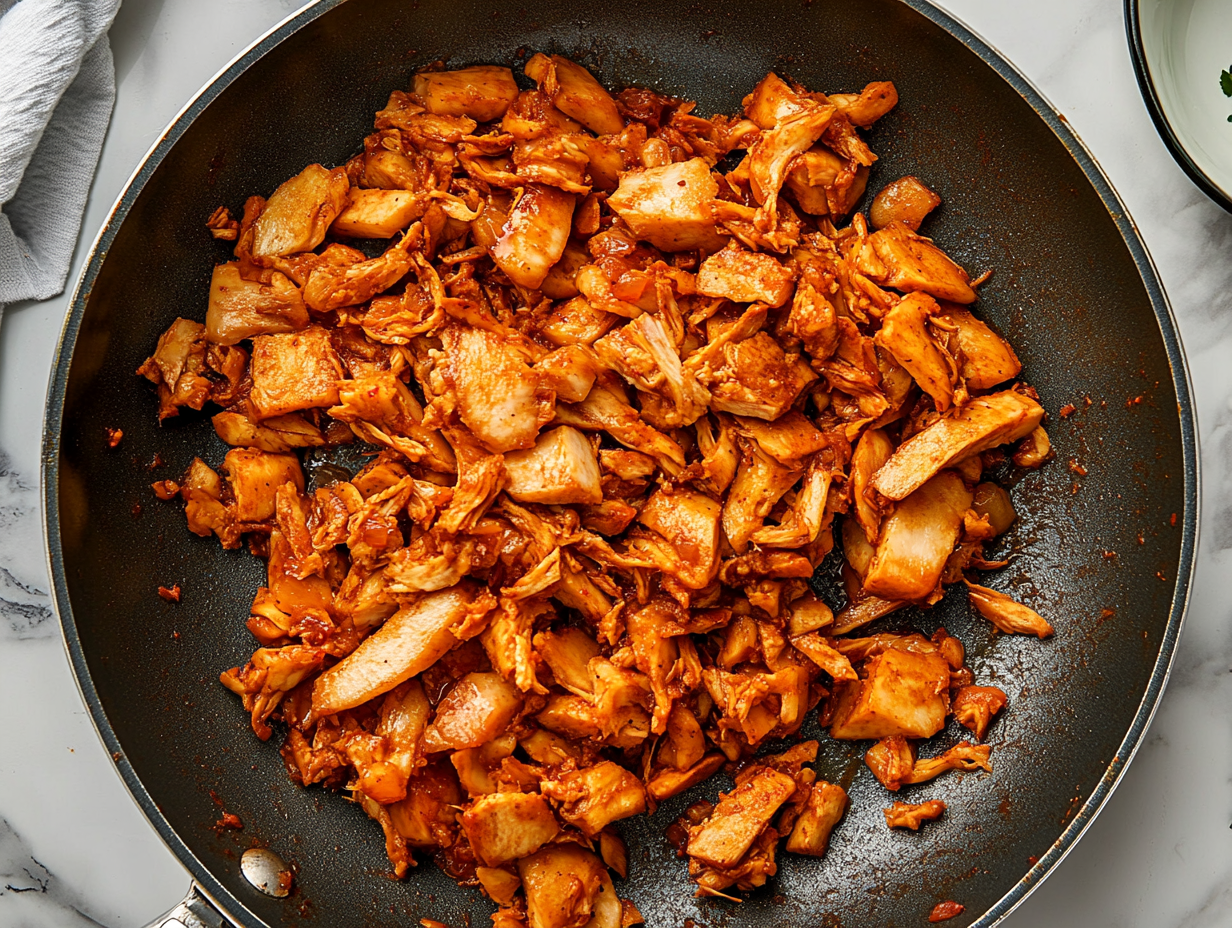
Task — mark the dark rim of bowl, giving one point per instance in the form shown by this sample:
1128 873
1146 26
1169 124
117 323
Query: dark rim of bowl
235 908
1137 52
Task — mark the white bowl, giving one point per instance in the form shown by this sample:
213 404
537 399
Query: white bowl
1179 48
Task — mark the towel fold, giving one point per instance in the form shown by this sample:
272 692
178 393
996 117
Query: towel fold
57 89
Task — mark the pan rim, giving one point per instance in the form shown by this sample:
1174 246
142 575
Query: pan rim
230 905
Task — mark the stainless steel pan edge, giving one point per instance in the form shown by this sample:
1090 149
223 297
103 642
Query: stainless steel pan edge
233 908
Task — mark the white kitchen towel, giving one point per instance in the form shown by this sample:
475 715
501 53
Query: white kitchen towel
57 89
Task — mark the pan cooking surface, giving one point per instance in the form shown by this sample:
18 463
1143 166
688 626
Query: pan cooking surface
1072 289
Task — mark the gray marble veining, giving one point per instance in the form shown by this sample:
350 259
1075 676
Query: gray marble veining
31 896
75 851
25 607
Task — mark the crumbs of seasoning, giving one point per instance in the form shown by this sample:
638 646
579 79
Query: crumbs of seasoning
432 923
231 820
156 462
114 437
944 911
171 595
1067 410
1077 468
1173 520
285 879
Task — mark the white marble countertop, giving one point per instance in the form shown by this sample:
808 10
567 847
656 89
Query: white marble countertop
75 850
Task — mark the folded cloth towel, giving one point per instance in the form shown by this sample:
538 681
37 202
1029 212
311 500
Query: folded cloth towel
57 89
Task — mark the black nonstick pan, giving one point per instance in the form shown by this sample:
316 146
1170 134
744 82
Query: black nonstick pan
1106 554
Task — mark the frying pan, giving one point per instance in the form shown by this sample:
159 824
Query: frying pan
1106 555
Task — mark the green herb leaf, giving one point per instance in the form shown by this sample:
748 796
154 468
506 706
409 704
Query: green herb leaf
1225 83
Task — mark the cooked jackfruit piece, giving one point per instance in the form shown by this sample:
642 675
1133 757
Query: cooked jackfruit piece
738 818
906 200
332 286
871 453
477 709
293 371
239 308
533 238
280 433
772 101
299 212
409 642
576 322
1009 616
255 477
669 206
504 827
771 154
482 92
499 396
560 469
759 484
815 648
690 522
427 817
745 277
913 263
808 614
985 422
917 539
1034 450
669 782
905 334
904 693
987 358
974 707
563 883
570 371
595 796
375 213
869 105
644 353
568 653
500 885
757 378
909 815
576 93
822 811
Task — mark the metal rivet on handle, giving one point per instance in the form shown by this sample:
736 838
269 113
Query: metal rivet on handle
266 871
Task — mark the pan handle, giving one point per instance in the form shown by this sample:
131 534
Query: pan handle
194 911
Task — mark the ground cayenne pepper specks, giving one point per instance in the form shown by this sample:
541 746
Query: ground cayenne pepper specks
943 911
171 595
